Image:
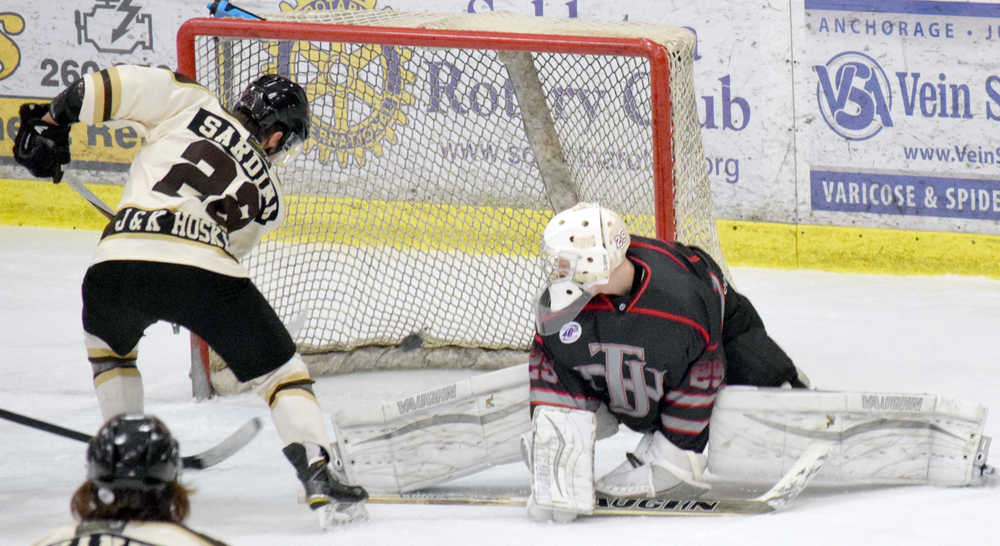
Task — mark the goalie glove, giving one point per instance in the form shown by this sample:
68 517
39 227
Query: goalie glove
657 468
39 147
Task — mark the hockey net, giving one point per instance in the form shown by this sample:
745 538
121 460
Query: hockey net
440 146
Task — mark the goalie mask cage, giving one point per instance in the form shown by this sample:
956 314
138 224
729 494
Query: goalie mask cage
440 145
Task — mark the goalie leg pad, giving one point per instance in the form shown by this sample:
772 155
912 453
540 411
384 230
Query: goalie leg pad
436 435
562 460
876 438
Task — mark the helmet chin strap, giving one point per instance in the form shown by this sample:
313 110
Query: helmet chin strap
270 145
271 142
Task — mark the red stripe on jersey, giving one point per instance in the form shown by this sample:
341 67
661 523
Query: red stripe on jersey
661 250
691 427
533 404
566 394
684 399
677 318
681 431
645 282
602 302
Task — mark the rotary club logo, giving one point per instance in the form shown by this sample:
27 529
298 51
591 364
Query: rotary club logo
358 92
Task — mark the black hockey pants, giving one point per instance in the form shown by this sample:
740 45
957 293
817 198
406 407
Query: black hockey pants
122 298
752 357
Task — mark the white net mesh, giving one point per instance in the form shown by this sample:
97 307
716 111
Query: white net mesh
416 209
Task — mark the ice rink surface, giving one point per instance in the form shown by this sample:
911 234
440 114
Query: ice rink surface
849 332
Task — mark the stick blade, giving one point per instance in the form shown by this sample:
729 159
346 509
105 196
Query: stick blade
224 449
797 477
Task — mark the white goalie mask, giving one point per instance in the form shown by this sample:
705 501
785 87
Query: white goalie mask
581 246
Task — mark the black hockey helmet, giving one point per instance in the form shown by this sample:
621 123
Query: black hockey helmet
133 451
272 103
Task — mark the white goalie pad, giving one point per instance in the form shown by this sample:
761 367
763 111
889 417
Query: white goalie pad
437 435
756 435
562 459
875 438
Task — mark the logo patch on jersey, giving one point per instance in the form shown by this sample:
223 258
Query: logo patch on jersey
570 332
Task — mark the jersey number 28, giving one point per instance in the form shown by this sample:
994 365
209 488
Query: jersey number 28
230 211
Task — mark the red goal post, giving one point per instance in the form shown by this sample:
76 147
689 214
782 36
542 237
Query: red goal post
560 83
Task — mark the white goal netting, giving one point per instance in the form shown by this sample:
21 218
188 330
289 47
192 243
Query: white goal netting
440 146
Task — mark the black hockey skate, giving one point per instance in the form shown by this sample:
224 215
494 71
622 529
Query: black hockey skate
325 491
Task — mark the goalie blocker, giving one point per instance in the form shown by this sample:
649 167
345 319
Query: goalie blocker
757 434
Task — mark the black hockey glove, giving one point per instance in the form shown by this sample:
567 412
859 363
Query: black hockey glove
41 148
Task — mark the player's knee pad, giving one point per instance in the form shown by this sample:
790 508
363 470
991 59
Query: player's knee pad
291 378
105 362
294 408
117 381
98 350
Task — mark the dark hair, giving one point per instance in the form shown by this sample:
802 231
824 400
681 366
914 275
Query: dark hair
169 503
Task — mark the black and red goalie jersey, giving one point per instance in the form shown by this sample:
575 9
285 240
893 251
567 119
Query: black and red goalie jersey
654 355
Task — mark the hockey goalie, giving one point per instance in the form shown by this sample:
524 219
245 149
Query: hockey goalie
646 334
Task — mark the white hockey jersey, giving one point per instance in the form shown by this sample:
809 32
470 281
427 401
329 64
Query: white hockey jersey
135 533
200 191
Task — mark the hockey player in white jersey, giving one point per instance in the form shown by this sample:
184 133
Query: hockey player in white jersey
200 193
132 494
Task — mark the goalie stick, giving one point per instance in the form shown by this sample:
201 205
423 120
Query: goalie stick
783 492
199 461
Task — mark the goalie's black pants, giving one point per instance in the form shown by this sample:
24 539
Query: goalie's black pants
752 357
123 298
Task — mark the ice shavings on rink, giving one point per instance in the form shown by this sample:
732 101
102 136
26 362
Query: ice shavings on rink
849 332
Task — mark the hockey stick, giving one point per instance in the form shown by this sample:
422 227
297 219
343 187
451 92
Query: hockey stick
787 489
91 198
603 505
224 449
42 425
211 456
